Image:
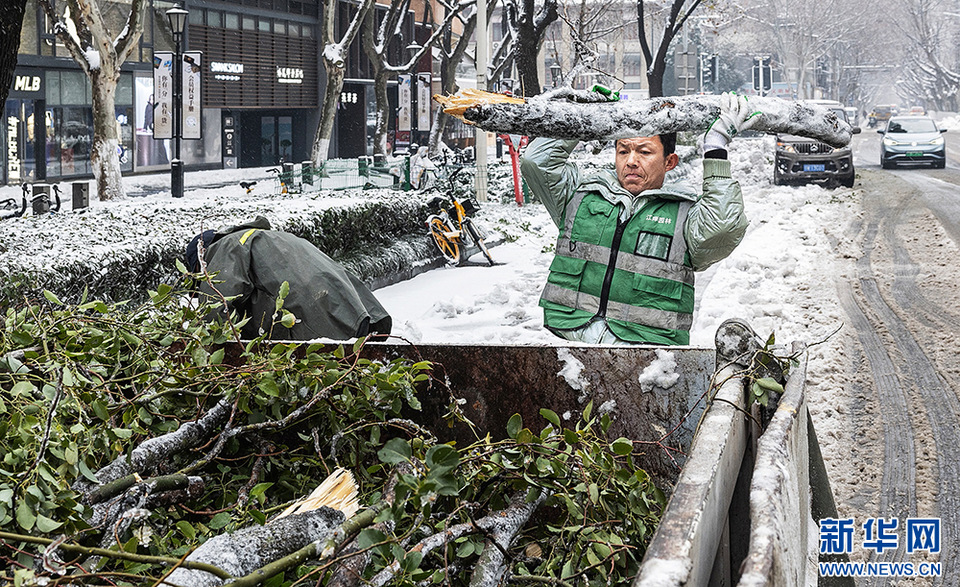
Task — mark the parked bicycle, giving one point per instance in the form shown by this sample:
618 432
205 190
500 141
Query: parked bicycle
452 228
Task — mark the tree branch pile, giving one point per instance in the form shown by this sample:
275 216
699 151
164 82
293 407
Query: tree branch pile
587 116
147 445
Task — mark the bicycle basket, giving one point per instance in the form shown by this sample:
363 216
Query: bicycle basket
470 206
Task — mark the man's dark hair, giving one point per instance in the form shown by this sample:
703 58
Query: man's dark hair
669 142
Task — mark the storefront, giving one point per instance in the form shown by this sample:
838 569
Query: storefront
261 83
24 146
48 125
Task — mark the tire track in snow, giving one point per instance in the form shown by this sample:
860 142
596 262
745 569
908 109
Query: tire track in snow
898 491
918 379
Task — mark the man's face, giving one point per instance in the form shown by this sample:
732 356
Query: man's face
641 164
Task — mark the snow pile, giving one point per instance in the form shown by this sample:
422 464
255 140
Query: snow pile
661 373
572 372
950 123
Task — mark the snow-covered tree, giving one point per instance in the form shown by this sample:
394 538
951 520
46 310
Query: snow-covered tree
335 64
379 30
11 18
450 57
528 24
677 13
82 29
928 77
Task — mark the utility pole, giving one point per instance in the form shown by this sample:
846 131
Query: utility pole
481 60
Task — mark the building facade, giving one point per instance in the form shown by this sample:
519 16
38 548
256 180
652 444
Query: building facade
262 84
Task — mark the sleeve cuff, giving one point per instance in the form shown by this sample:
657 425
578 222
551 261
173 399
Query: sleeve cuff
713 167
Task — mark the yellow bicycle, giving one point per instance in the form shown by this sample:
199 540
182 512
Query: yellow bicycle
452 224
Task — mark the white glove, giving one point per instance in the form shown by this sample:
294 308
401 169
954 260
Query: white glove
736 115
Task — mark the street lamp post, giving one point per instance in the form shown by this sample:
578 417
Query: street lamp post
555 73
178 19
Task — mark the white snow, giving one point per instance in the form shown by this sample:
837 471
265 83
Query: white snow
659 373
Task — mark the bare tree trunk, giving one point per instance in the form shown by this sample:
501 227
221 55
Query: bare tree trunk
335 65
680 11
11 19
328 112
380 130
531 28
104 157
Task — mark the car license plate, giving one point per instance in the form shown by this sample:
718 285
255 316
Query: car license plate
914 154
814 167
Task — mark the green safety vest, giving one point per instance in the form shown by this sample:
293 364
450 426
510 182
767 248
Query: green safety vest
635 273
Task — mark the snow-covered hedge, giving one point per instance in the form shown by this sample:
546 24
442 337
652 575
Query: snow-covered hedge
117 251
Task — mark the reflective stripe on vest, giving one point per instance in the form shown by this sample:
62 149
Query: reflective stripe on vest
617 311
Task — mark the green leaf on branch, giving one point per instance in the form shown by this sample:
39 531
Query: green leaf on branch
514 425
395 451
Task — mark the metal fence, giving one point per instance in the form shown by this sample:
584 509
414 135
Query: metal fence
337 174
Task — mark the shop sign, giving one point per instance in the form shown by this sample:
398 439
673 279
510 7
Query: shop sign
163 95
27 84
404 115
13 150
191 95
226 71
289 75
423 101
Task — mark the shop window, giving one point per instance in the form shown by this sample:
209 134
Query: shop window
294 29
53 88
76 134
214 18
125 89
74 88
231 21
196 16
280 28
249 23
264 25
307 32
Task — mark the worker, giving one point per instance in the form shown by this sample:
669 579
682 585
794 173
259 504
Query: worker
623 270
251 262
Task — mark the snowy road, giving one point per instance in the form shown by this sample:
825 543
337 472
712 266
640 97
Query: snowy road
902 304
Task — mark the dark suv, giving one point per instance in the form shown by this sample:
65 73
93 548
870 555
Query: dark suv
800 160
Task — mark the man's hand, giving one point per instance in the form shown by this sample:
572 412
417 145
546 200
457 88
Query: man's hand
736 116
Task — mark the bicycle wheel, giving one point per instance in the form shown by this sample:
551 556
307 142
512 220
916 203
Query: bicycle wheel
448 247
478 239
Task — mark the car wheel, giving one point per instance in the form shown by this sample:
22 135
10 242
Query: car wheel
885 164
847 182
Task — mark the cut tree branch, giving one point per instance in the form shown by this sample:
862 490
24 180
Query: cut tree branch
571 114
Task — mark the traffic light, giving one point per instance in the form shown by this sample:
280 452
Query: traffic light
707 72
762 75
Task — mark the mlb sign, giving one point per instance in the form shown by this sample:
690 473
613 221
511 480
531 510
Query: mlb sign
27 83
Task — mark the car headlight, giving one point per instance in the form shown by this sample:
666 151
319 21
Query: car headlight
937 141
786 147
889 142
